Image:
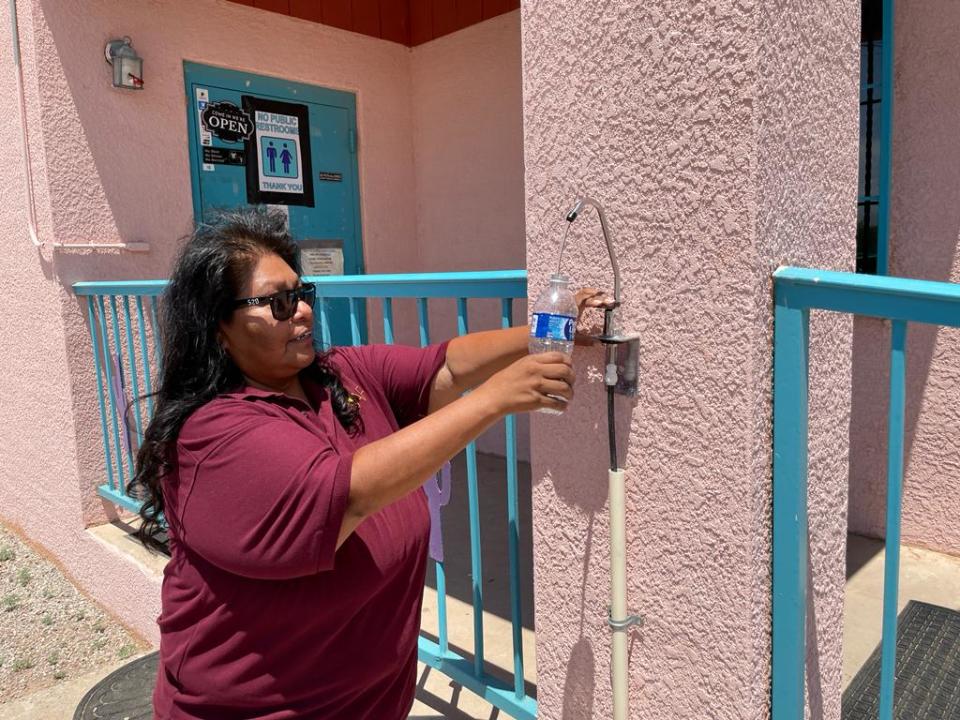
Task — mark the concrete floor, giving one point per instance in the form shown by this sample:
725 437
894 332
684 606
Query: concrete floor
924 575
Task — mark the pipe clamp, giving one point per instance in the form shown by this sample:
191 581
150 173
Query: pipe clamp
624 624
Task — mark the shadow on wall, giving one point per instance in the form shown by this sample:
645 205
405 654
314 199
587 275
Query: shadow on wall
925 232
814 668
579 686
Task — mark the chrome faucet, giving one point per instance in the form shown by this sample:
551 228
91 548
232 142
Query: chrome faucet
572 215
622 350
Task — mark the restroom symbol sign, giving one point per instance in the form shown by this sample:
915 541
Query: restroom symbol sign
279 170
279 156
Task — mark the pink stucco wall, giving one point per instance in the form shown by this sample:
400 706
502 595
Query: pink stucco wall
925 233
112 166
719 155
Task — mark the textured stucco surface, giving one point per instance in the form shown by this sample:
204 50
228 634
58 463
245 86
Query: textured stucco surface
112 165
722 138
40 447
924 236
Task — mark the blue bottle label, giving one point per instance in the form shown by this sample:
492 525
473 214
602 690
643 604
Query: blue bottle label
552 327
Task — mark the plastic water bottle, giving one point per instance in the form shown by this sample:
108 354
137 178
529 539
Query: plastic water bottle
554 322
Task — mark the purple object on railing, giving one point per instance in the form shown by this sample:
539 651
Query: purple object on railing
120 400
438 495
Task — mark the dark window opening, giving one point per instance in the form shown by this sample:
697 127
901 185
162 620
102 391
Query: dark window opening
868 200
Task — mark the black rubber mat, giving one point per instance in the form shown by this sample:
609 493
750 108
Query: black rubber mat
927 685
124 694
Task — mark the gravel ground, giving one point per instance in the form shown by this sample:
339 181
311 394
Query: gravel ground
49 631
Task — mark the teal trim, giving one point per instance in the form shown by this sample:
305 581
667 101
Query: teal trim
98 371
423 321
894 298
388 320
492 689
891 569
441 574
796 292
122 452
479 284
790 367
119 498
473 495
511 698
149 288
108 375
355 334
145 357
193 141
513 529
487 284
326 339
157 351
134 380
886 138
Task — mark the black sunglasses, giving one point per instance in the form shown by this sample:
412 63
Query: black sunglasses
283 304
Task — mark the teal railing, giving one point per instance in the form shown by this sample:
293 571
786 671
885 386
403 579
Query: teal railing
122 318
797 291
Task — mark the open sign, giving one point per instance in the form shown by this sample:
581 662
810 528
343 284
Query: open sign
227 122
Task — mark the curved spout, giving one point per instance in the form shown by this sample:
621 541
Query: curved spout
572 215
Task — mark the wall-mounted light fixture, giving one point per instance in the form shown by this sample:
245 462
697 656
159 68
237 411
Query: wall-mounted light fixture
127 65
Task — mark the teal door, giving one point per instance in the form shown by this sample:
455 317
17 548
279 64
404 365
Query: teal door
262 140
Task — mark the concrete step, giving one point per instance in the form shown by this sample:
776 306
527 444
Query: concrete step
57 702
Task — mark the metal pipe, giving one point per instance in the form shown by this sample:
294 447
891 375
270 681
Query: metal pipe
618 593
620 622
27 169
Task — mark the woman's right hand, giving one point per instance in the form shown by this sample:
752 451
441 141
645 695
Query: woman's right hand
528 384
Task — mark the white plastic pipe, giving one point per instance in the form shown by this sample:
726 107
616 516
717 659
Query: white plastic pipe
27 169
618 592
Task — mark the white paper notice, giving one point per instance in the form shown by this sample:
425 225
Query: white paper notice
321 257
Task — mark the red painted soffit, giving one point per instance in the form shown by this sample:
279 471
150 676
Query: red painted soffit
409 22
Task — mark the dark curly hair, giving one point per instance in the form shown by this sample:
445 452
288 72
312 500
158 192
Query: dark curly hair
212 266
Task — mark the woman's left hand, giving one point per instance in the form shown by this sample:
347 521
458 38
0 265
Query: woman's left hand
590 298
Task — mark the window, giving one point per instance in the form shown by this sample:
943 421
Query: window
871 96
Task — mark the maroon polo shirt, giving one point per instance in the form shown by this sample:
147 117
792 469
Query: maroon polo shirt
262 617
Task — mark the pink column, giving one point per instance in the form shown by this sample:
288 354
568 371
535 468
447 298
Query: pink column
722 139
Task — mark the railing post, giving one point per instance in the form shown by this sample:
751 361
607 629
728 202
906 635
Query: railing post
891 567
790 368
510 698
473 497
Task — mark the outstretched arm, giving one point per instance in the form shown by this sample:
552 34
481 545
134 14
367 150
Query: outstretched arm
387 469
473 358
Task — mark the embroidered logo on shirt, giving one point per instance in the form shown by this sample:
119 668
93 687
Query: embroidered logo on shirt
356 397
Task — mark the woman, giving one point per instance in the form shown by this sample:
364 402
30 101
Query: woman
289 484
